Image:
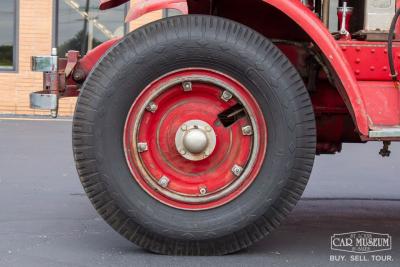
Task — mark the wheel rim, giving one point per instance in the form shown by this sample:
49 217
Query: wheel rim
179 147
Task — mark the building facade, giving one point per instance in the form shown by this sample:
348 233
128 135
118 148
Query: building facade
33 27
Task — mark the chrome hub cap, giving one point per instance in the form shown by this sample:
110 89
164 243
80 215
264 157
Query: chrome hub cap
195 140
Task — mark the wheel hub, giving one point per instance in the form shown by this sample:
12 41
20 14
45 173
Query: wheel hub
195 140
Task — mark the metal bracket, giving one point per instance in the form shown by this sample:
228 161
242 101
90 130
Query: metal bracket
45 63
47 99
43 100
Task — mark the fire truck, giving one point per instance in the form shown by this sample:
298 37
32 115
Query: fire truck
196 134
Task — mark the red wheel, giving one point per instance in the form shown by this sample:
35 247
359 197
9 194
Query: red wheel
195 139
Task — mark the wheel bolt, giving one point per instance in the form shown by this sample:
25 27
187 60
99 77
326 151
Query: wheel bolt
142 147
182 151
184 127
237 170
207 128
247 130
187 86
203 190
164 181
226 96
152 107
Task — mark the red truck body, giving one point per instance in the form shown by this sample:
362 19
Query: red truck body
360 87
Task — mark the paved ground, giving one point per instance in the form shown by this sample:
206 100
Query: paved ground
46 220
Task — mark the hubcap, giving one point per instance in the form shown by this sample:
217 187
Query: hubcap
195 139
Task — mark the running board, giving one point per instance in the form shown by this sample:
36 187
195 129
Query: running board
385 132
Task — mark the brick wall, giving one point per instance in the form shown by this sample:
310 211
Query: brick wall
35 38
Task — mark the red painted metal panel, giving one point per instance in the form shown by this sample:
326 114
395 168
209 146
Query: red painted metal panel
329 46
107 4
382 100
398 22
369 60
91 58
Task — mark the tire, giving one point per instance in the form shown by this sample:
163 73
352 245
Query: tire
162 47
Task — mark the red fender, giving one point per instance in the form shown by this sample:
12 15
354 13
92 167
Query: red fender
92 57
328 45
107 4
142 7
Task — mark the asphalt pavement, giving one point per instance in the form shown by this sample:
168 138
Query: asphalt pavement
46 219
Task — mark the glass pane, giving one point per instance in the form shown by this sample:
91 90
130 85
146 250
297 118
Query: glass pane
172 12
7 33
82 26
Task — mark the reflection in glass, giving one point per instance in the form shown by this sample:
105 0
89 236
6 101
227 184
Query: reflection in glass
82 26
7 33
171 12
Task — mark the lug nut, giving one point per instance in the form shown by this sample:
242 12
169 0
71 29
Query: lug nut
164 181
152 107
184 127
182 151
187 86
203 190
237 170
247 130
79 75
142 147
226 96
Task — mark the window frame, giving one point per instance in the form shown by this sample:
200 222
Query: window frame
169 12
15 66
55 22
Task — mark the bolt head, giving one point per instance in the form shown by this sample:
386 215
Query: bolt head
226 96
237 170
164 181
142 147
187 86
247 130
203 190
152 107
54 113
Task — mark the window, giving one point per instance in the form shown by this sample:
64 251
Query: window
171 12
81 26
8 28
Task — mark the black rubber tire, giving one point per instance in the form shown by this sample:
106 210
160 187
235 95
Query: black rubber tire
159 48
